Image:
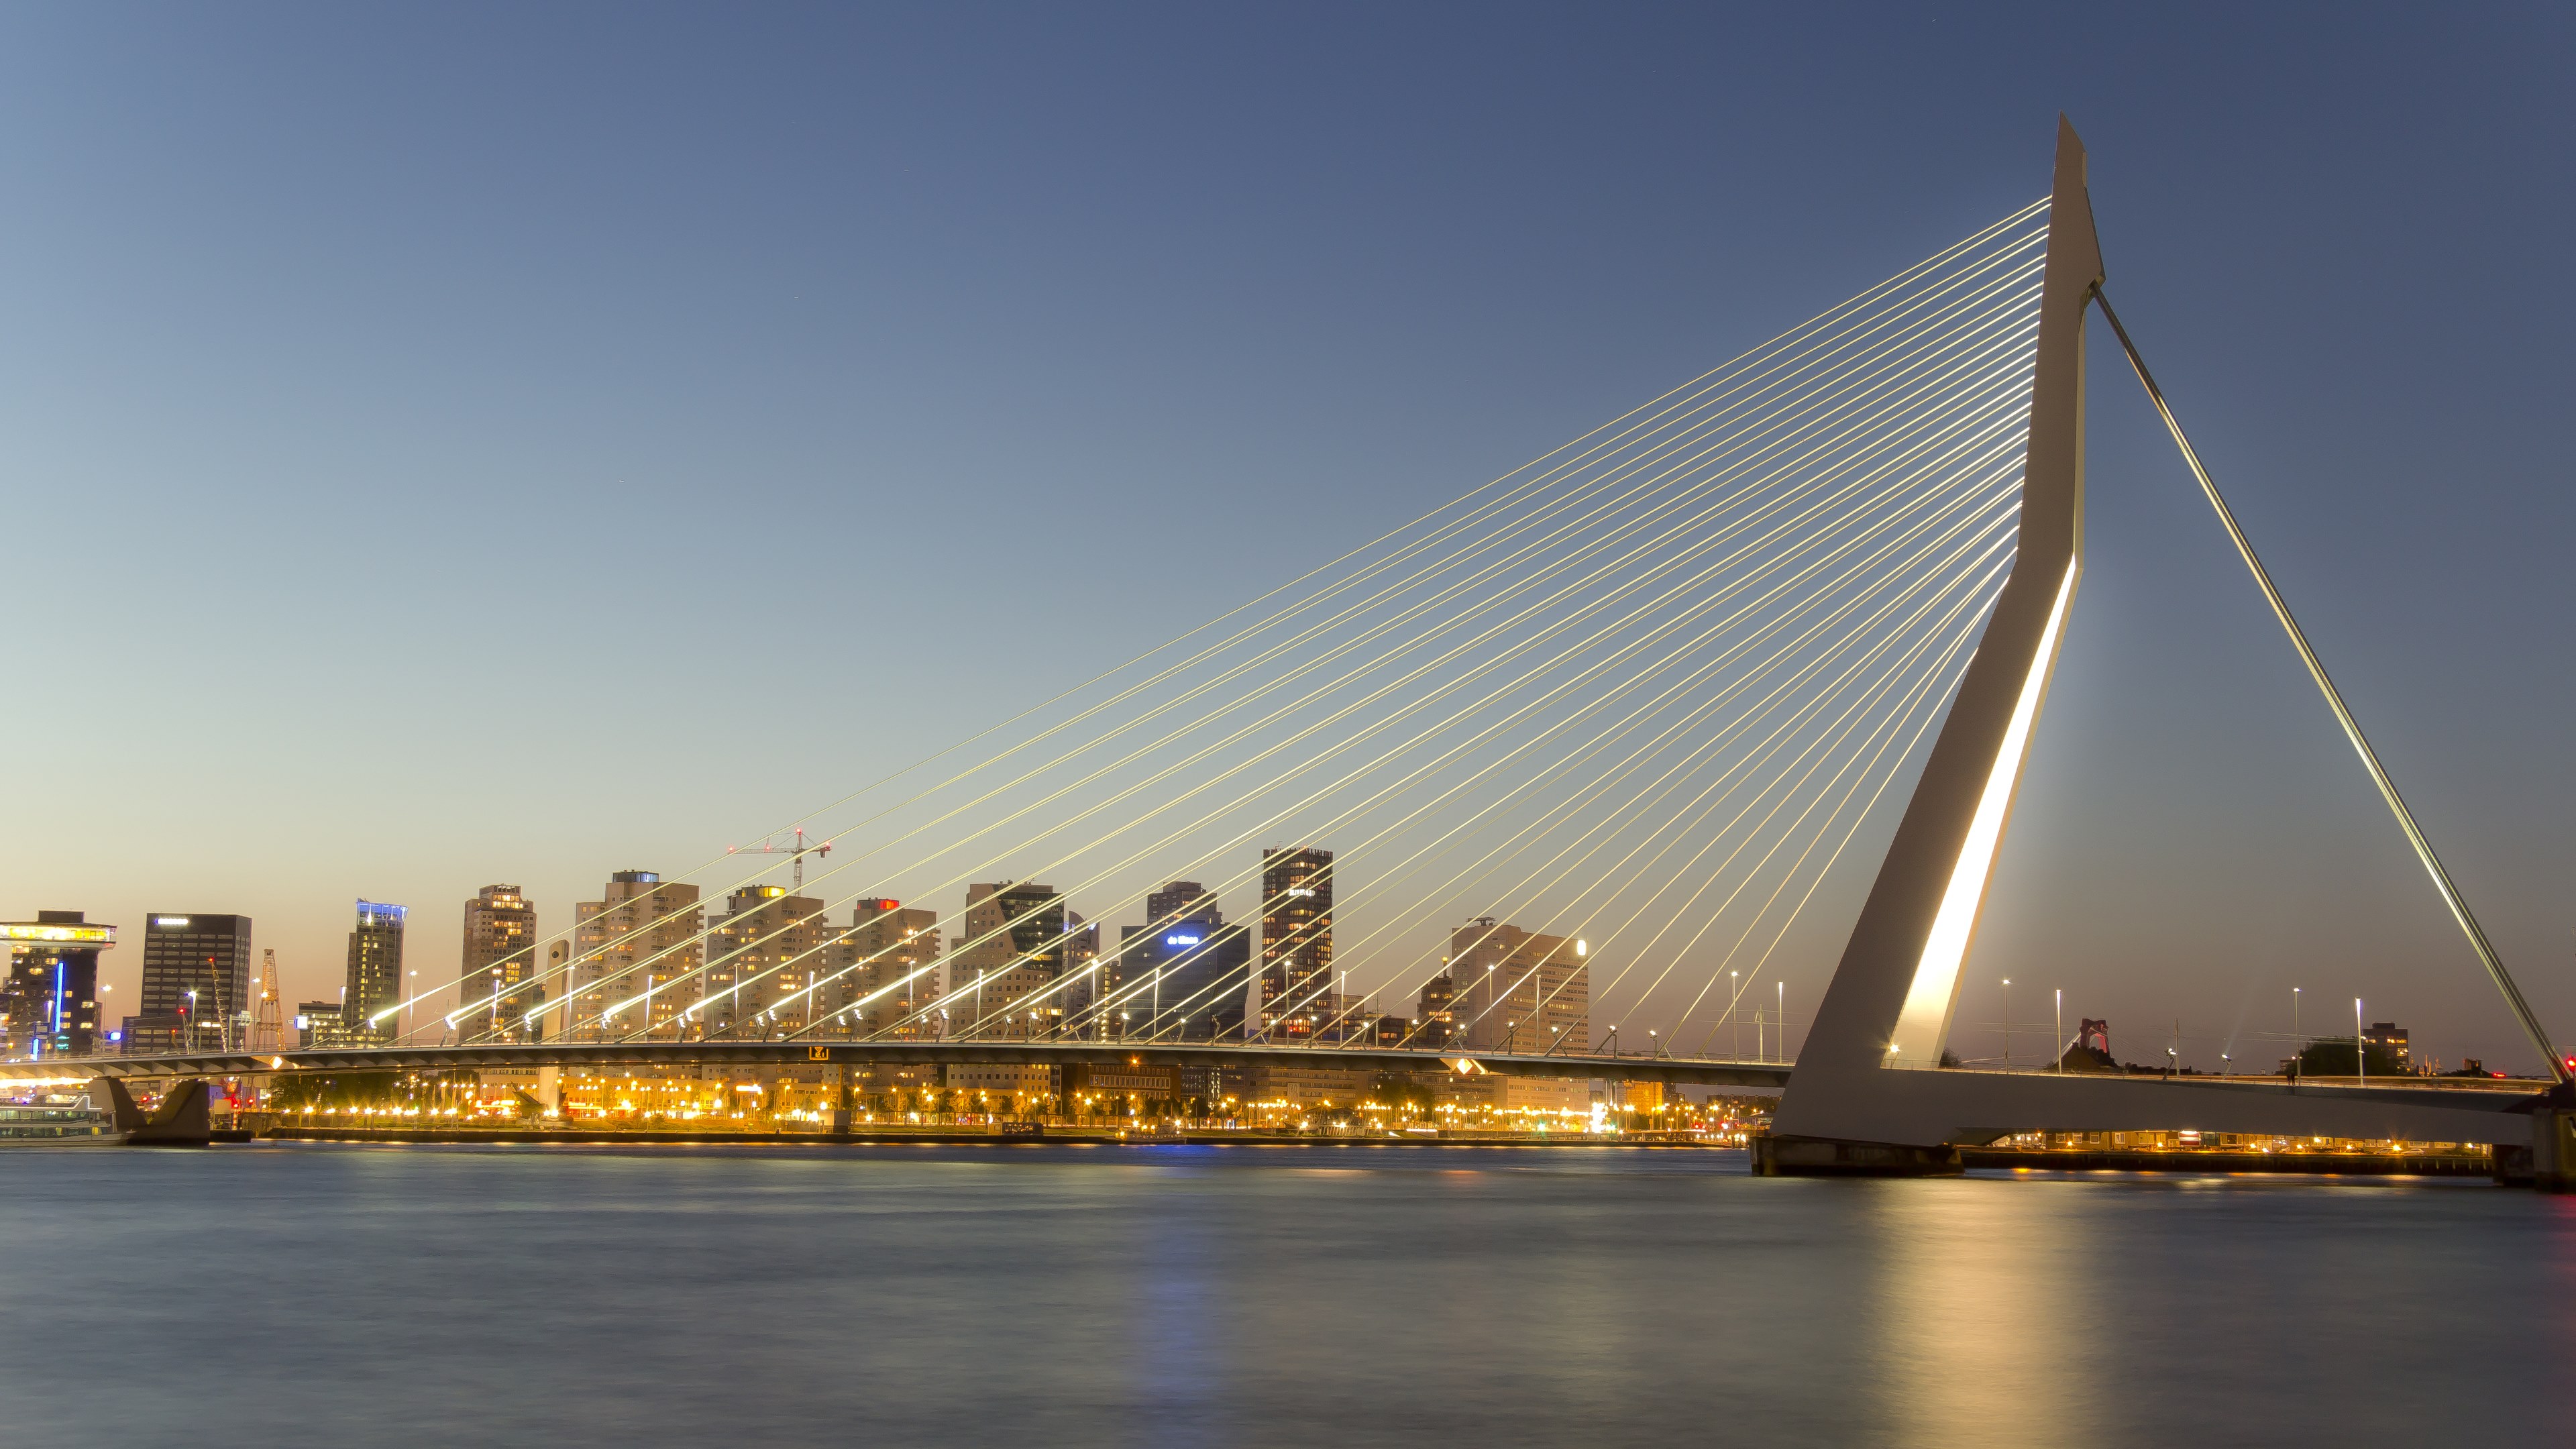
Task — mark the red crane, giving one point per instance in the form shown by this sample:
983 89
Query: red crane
799 850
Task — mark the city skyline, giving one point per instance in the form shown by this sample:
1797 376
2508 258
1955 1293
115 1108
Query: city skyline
325 706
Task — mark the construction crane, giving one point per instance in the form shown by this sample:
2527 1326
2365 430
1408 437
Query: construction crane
799 850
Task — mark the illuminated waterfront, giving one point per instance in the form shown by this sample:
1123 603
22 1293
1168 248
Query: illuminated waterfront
1256 1295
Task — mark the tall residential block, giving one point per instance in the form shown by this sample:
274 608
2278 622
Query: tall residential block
885 968
1014 947
637 952
196 982
1517 991
49 990
765 953
1294 992
498 996
370 1002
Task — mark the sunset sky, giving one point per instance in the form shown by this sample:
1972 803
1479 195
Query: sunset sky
511 445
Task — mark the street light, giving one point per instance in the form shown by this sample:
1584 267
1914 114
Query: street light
2298 1044
2008 1023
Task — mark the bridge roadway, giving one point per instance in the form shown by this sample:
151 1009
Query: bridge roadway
1690 1071
1956 1105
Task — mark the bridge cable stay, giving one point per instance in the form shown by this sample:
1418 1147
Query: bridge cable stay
489 1000
1698 388
2422 844
1809 810
1593 839
1978 597
1276 682
1844 729
1560 658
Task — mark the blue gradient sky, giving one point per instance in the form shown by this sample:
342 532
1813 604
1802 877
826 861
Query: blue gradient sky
376 385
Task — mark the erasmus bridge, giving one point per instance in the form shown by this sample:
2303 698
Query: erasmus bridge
1737 685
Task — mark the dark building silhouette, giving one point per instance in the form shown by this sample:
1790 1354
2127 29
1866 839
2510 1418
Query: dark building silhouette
196 982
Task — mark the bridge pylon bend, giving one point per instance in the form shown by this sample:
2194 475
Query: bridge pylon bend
1888 1008
1869 1094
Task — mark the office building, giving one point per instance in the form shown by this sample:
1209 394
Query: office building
1178 898
884 968
1517 991
764 954
319 1026
1435 1016
196 983
637 951
1188 976
49 992
498 996
370 1001
2390 1038
1013 949
1293 993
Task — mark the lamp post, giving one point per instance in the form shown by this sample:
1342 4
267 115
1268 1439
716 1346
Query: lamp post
1783 1018
2061 1028
2360 1058
2298 1044
2008 1023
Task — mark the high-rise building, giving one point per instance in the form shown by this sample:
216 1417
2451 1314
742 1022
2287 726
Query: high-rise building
369 1002
1187 976
1179 898
49 992
1435 1017
637 952
2389 1037
498 997
764 955
319 1026
1296 940
884 969
196 982
1517 991
1014 947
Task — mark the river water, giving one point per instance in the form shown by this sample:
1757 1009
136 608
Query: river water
1052 1295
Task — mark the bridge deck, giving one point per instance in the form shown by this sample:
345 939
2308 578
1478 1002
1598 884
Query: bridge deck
1692 1071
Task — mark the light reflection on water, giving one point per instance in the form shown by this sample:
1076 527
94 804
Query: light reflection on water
1224 1296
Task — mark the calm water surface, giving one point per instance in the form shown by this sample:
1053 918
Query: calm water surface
1063 1295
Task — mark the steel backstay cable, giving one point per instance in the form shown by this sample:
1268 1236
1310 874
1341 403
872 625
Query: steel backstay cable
1746 360
2559 1067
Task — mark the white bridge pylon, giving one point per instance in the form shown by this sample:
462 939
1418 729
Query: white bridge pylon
1868 1093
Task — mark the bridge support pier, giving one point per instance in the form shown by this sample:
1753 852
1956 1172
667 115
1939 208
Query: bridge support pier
2553 1150
1831 1157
